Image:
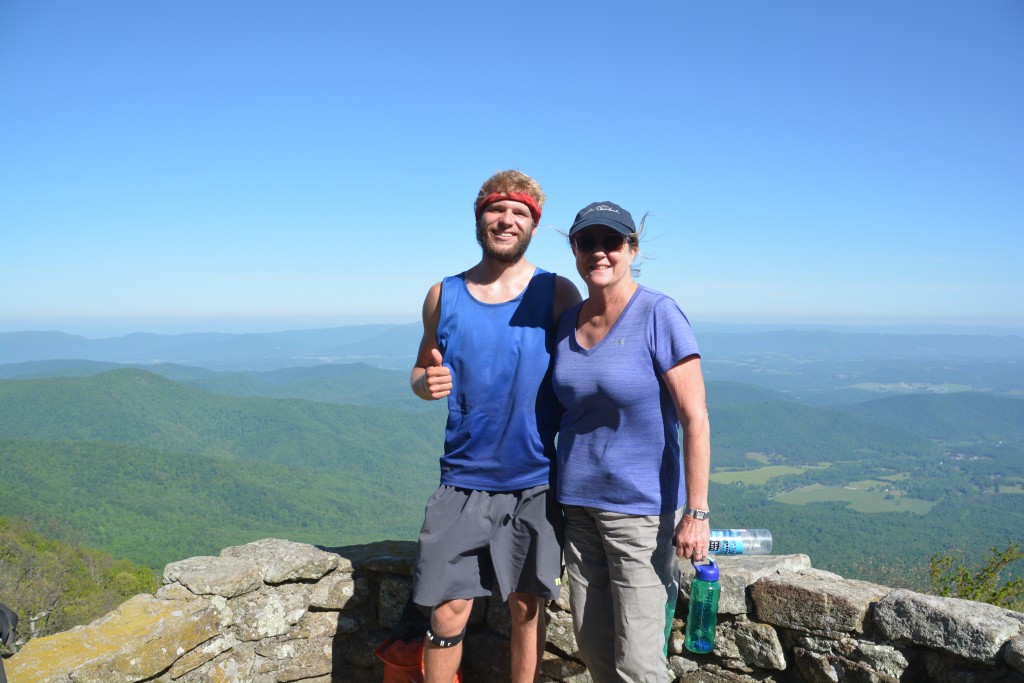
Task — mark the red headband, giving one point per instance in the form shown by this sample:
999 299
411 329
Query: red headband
514 196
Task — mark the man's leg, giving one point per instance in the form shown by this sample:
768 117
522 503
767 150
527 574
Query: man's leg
447 620
526 555
529 635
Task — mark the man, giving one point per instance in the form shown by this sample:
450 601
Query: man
487 340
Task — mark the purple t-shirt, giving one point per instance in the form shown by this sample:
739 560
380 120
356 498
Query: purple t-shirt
618 446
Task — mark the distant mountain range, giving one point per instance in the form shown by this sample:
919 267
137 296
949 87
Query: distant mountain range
394 347
388 346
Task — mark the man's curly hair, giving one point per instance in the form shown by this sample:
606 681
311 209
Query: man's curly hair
510 181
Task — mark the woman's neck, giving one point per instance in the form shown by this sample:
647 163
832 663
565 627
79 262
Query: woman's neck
611 299
600 312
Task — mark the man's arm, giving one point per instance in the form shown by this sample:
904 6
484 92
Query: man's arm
430 379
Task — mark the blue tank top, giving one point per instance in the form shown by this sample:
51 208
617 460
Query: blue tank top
502 411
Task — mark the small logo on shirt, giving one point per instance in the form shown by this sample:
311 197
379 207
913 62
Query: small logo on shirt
618 342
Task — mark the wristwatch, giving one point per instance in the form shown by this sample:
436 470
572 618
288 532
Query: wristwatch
696 514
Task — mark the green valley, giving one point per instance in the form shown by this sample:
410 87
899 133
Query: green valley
156 463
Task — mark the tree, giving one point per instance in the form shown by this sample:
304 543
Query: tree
950 576
54 585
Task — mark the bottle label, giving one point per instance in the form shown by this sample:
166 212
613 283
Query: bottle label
726 547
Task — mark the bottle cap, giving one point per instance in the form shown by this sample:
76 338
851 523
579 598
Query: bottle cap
706 572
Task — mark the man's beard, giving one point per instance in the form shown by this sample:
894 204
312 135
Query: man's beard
506 254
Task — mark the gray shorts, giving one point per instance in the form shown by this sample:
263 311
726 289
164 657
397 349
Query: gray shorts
471 538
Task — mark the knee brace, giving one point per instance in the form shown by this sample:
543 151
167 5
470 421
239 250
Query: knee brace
445 642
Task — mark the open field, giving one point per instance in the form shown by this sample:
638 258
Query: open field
872 485
859 499
757 477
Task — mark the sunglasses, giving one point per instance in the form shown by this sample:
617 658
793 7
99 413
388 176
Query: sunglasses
608 243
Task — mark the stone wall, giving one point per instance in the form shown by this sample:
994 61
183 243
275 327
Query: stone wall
275 611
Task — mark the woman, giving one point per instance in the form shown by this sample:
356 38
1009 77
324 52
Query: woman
627 371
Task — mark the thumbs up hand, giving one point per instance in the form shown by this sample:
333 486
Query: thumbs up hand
438 377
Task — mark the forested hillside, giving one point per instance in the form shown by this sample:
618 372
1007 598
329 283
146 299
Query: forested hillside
956 417
155 469
156 506
144 409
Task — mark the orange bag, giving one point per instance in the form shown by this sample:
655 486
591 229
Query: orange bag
403 661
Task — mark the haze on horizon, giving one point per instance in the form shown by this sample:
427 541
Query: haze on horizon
255 166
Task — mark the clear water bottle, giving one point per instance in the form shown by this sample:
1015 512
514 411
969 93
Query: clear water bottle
703 615
740 542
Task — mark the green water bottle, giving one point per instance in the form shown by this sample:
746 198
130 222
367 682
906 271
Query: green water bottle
703 615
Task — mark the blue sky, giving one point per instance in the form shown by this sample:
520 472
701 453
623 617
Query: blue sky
262 165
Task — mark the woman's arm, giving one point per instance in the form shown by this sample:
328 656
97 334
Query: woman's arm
685 383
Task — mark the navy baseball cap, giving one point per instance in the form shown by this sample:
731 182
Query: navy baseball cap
608 214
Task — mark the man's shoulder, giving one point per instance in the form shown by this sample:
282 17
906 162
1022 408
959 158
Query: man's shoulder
566 293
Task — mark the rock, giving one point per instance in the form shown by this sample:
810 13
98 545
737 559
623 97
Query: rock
712 673
202 654
298 659
391 600
216 620
815 667
281 561
1014 654
680 666
882 661
338 592
269 612
554 668
383 557
238 665
317 625
738 573
820 660
759 646
942 668
972 630
561 634
812 602
227 577
486 657
497 616
138 640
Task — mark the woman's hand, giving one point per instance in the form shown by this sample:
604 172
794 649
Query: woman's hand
693 538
